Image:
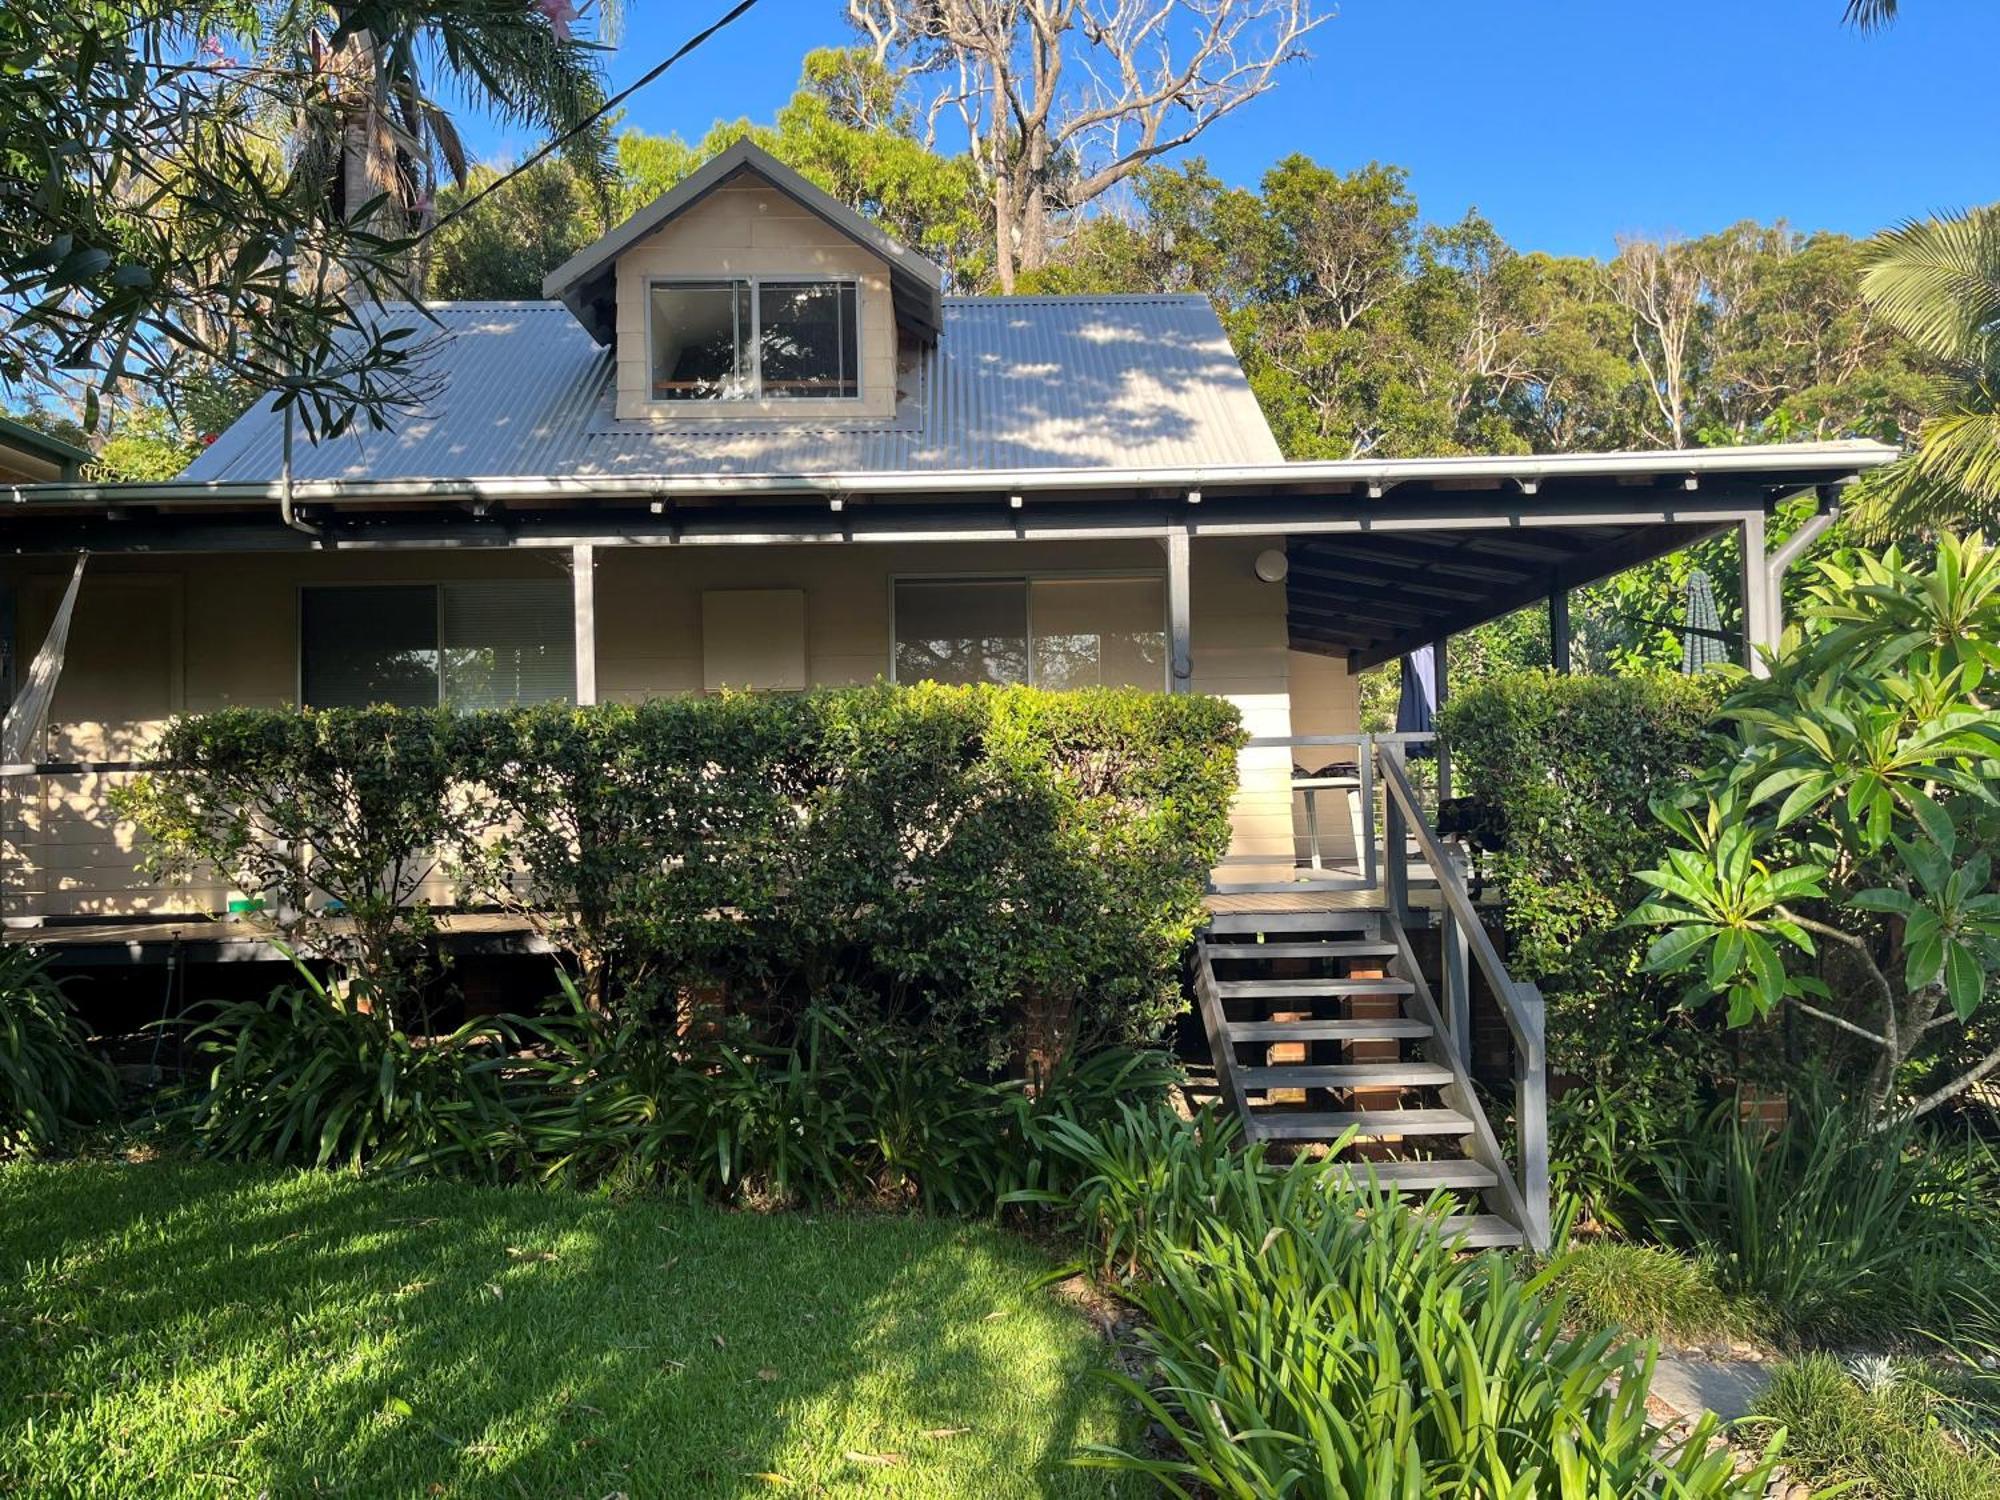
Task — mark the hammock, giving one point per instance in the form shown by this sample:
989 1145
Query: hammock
28 715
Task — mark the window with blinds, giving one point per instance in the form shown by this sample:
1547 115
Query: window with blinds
507 643
1053 632
471 645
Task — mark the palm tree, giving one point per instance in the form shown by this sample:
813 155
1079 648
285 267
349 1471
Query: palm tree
1937 282
1870 15
375 131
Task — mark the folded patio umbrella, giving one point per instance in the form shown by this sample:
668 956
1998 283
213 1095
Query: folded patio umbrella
1702 642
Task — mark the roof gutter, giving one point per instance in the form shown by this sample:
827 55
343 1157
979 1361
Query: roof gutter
1819 463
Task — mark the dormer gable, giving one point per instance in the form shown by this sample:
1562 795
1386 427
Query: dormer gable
745 291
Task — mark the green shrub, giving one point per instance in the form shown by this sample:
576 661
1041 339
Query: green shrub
1648 1291
337 819
51 1081
1835 860
1883 1439
1016 869
980 857
1598 1136
1308 1339
1569 766
843 1113
1835 1228
308 1077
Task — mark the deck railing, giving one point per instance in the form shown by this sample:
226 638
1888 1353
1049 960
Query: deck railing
1344 785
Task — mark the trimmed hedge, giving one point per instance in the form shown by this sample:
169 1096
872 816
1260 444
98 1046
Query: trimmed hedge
972 858
1569 765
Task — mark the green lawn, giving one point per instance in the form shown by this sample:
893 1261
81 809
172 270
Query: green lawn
174 1329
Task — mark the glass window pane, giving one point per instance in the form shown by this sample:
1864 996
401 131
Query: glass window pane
700 341
508 642
970 631
806 344
1099 632
363 646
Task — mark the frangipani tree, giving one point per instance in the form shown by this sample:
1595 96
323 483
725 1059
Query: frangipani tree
1839 858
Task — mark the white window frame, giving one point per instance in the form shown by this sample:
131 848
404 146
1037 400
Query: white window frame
437 587
754 395
1031 576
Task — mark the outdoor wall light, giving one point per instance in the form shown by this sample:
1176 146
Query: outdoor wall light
1272 565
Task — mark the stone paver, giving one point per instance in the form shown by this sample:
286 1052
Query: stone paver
1727 1387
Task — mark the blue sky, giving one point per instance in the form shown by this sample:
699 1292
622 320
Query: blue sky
1567 122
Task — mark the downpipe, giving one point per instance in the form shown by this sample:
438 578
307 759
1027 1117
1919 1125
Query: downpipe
286 513
1779 562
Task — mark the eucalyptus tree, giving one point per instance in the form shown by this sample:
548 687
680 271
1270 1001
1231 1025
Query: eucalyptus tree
1057 102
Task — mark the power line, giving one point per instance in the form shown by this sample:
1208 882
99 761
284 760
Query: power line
610 104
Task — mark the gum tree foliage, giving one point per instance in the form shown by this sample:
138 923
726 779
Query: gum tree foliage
1059 102
151 224
845 130
1837 857
506 243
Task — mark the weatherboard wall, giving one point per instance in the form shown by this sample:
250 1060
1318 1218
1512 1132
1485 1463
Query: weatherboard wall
154 637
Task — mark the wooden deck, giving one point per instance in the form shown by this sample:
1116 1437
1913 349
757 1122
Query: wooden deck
200 939
230 940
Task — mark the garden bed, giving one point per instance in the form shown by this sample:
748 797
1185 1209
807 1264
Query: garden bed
183 1329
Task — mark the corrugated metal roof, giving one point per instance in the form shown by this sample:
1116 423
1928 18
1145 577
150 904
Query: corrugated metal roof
520 389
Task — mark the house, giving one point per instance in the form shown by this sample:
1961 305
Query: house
749 440
28 456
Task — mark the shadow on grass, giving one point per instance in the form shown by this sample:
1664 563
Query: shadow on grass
176 1329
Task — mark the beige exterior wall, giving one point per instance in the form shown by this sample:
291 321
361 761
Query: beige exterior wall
747 229
1326 699
154 637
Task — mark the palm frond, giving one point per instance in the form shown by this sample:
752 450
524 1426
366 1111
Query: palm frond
1937 282
1870 15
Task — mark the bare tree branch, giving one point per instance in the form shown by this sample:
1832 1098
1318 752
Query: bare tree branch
1062 100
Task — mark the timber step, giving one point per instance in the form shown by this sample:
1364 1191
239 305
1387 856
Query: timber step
1481 1231
1253 922
1447 1173
1367 1124
1383 1075
1363 1030
1240 952
1326 1031
1273 989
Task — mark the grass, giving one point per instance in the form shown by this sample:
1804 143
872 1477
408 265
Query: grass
1650 1292
1884 1439
175 1329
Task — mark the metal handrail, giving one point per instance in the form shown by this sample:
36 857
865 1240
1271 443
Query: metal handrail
1521 1004
1521 1018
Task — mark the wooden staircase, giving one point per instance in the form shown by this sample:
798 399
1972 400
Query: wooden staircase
1322 1023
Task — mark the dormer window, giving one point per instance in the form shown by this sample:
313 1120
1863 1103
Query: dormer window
754 338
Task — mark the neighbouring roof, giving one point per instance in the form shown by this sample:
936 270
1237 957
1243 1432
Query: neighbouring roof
19 441
1012 383
585 283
